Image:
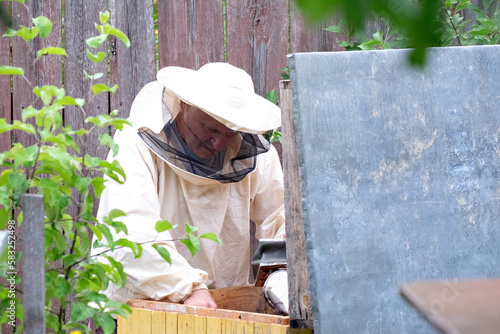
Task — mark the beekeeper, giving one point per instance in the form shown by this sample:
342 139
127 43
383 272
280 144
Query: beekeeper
195 154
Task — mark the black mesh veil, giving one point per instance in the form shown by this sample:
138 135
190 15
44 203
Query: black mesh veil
229 165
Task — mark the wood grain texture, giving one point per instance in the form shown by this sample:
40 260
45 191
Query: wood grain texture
158 323
190 33
298 275
185 324
257 39
307 36
33 282
214 325
247 298
5 93
171 322
206 312
79 25
131 68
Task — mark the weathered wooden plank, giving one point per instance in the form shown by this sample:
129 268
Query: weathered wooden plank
207 312
145 321
263 328
306 36
229 326
34 264
246 298
158 322
190 33
214 325
171 323
79 18
123 325
5 93
245 327
185 324
257 39
131 68
200 325
298 275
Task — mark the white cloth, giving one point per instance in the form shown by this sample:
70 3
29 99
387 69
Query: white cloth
155 190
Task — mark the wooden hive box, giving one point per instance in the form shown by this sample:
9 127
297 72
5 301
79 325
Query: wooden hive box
241 310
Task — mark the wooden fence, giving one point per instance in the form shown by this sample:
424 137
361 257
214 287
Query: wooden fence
255 35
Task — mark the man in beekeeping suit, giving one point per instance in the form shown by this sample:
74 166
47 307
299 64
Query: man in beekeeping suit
195 154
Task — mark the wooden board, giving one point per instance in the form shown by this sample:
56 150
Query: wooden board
257 40
246 298
207 312
136 64
190 33
298 275
5 94
458 307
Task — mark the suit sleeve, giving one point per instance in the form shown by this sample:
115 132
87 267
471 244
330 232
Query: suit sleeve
149 276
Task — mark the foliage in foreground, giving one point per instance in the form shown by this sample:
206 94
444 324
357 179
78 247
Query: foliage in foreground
58 166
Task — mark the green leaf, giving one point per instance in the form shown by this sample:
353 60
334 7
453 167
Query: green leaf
51 51
104 17
81 312
63 288
98 184
115 213
11 70
272 96
99 88
379 36
163 225
29 112
193 244
107 323
118 33
136 248
96 59
69 101
211 236
26 33
105 139
163 253
44 25
96 41
93 77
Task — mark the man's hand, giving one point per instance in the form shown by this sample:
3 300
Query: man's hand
200 298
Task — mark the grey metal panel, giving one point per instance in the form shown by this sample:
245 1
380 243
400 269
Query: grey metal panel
400 179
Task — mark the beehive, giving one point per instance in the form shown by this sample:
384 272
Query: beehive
241 310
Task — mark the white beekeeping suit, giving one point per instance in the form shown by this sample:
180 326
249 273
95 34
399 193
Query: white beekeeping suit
166 182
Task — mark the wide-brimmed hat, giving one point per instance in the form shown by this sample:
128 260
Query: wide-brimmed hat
222 91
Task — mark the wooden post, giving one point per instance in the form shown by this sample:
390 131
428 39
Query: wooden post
298 275
33 265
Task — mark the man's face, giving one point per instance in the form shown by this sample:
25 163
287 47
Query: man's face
203 134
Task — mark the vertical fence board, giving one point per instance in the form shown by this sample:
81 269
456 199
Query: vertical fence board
79 19
257 39
5 94
190 33
306 36
34 265
298 275
131 68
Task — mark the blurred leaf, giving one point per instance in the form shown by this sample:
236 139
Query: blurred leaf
96 58
95 42
104 17
99 88
44 25
11 70
51 51
211 236
121 36
163 225
163 252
